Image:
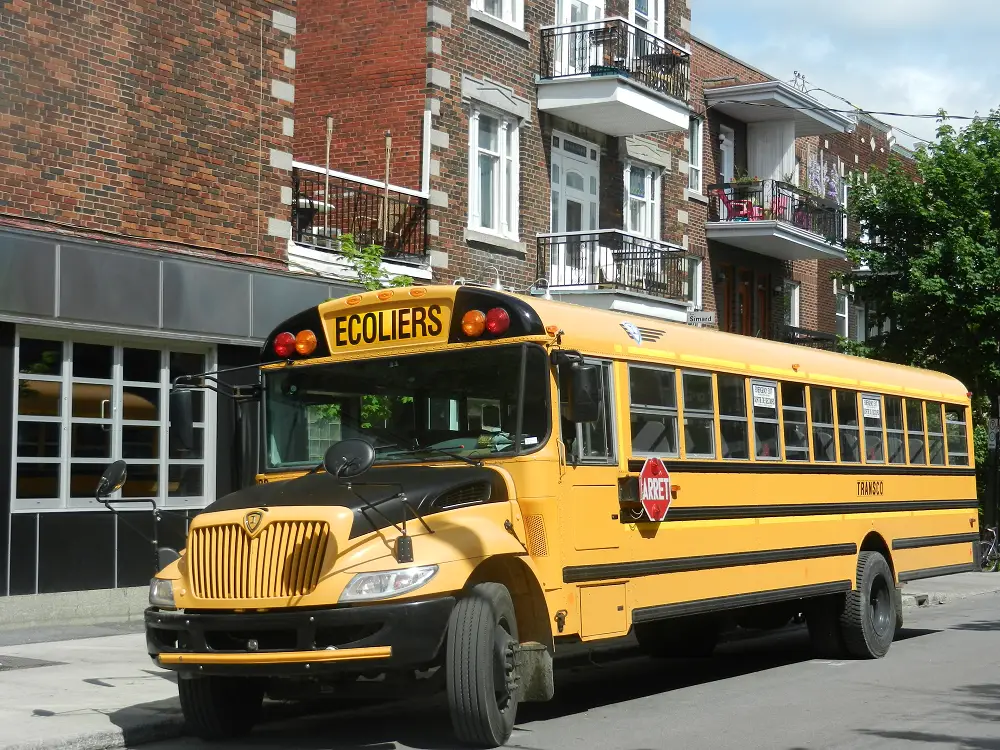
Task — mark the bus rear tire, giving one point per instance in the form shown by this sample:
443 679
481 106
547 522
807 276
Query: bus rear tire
480 668
220 708
868 620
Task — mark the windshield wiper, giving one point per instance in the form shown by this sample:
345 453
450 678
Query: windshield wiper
443 452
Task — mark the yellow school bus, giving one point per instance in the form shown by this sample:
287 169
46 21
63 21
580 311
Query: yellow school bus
455 482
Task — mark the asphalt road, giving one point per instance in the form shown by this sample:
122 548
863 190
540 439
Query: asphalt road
939 687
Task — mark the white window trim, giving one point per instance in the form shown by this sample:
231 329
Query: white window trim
697 269
512 12
659 28
67 504
696 163
796 302
656 173
842 313
508 226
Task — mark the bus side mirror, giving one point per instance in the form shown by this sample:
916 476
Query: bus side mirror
182 418
584 393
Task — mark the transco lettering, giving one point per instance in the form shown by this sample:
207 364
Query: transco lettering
869 488
388 325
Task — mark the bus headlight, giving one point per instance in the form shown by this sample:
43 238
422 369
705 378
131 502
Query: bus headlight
384 584
161 593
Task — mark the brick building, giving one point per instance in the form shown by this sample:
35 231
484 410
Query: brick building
550 143
145 191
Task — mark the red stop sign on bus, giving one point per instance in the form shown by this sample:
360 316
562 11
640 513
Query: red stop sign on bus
654 489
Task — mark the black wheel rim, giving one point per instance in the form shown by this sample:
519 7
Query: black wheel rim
880 606
503 665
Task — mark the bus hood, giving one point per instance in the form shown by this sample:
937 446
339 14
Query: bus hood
426 489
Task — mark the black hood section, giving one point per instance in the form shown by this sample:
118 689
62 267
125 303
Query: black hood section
428 489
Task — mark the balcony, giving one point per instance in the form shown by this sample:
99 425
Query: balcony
774 102
806 337
776 219
577 264
358 207
614 77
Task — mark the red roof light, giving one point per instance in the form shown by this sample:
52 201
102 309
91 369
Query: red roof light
284 344
497 321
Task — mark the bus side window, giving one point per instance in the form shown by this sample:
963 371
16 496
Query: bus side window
871 412
765 419
591 442
699 415
793 406
733 417
821 402
935 434
958 446
915 431
894 439
653 410
848 428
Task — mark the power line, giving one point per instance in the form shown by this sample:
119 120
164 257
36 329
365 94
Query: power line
858 111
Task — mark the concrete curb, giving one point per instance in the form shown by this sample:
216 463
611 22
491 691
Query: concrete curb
167 728
934 598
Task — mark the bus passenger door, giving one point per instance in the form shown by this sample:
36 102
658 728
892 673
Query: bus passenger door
594 535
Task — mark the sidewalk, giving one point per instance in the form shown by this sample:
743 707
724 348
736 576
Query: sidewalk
100 693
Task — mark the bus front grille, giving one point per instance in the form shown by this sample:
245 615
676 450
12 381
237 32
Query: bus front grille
284 560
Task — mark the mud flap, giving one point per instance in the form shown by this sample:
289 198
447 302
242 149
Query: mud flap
536 682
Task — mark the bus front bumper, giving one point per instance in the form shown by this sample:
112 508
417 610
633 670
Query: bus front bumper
299 642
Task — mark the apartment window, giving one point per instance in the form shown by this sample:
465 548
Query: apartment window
915 431
793 406
653 393
695 155
765 419
650 15
848 428
699 415
493 174
935 434
643 209
509 11
733 417
895 441
843 328
82 404
871 412
821 403
958 444
791 291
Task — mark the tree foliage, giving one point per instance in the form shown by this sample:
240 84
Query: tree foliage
931 247
367 264
930 260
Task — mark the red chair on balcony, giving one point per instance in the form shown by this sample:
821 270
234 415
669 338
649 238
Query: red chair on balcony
741 210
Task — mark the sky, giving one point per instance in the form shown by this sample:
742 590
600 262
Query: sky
906 56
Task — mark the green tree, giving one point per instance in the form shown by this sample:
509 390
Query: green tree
931 248
367 265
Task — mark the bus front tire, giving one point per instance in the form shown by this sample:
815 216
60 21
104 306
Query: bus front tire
220 708
481 673
868 620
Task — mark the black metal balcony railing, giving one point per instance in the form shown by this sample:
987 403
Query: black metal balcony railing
356 208
773 200
613 259
806 337
616 47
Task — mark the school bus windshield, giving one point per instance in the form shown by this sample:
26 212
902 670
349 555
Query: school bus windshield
410 408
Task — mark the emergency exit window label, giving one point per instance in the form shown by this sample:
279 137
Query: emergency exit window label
765 396
871 408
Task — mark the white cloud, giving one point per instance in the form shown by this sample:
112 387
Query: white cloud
907 56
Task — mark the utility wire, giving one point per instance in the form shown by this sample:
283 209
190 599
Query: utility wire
872 112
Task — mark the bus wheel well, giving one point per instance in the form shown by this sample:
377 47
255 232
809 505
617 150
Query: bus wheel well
874 542
529 602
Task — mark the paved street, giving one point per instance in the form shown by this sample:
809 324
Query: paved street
939 687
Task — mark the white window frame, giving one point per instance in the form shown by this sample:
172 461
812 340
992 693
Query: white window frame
511 11
658 20
506 195
65 502
794 319
652 199
696 134
842 308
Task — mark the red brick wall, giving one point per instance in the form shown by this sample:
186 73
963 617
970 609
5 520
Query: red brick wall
365 63
145 119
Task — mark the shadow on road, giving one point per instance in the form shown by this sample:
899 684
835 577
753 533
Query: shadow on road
982 626
965 743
